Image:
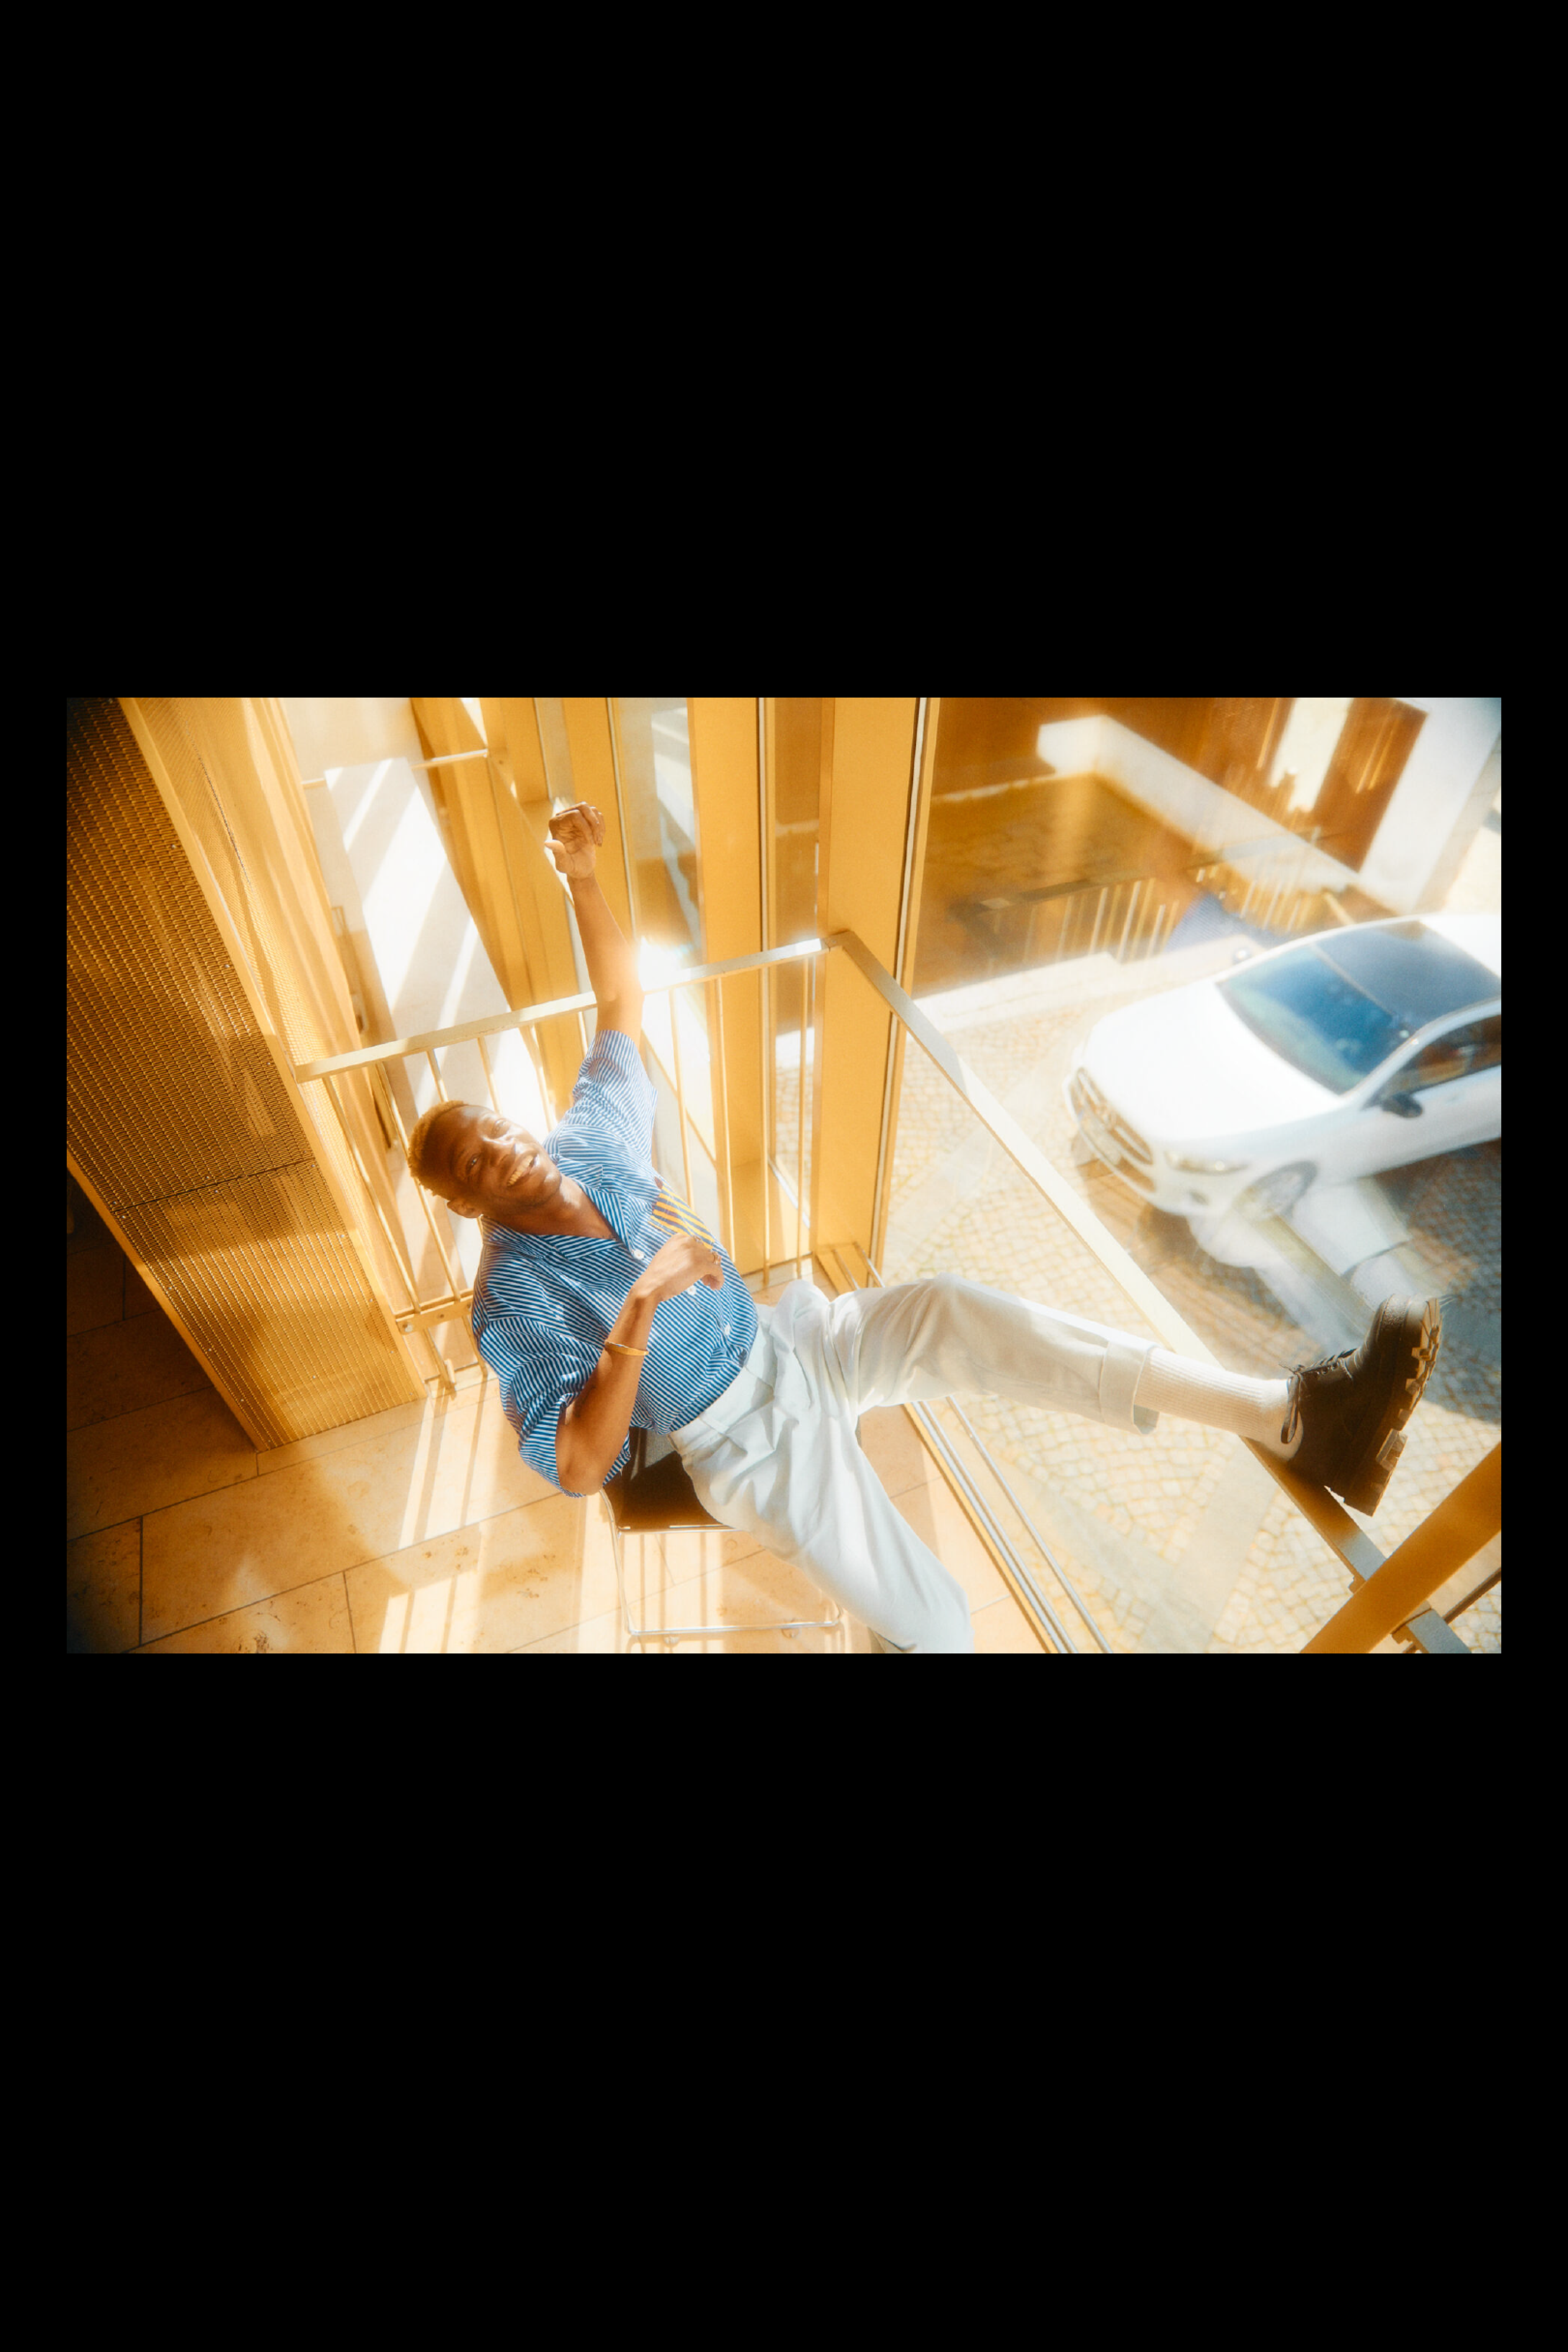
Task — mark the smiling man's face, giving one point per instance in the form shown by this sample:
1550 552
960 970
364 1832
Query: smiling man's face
490 1167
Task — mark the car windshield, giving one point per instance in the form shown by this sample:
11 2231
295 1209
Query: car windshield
1316 1018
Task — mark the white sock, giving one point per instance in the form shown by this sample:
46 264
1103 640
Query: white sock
1220 1399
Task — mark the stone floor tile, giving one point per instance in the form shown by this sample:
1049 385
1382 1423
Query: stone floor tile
749 1593
145 1460
95 1289
103 1589
518 1578
312 1619
138 1299
599 1637
694 1548
891 1445
120 1367
605 1636
456 1465
483 1472
937 1517
338 1441
1001 1630
89 1230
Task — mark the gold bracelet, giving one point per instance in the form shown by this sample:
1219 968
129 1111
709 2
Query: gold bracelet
623 1348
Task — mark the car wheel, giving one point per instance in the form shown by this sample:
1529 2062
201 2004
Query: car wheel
1277 1195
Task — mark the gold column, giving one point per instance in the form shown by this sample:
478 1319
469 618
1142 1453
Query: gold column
496 819
191 992
587 723
868 777
725 785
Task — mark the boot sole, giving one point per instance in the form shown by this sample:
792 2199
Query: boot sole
1365 1489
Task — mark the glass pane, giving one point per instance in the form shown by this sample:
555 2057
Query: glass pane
654 749
654 745
791 999
673 1022
1097 872
1177 1541
794 755
1062 829
795 758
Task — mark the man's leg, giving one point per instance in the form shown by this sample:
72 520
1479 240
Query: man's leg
786 1468
1342 1420
812 1497
921 1341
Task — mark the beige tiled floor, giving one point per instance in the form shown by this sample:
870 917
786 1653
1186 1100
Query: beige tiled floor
419 1530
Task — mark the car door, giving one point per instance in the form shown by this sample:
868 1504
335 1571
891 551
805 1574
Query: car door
1456 1079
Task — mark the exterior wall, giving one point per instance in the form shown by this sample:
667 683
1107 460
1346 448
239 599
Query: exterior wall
1210 817
1437 806
1435 811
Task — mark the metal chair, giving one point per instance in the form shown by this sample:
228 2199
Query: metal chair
654 1495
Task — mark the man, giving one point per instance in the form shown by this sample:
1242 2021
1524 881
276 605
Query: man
602 1301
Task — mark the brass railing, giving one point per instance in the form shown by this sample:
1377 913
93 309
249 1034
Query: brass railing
423 1311
1451 1535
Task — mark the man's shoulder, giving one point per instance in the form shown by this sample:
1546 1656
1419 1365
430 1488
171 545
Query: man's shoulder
509 1277
612 1054
612 1084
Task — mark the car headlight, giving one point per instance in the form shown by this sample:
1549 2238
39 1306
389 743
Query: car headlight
1207 1166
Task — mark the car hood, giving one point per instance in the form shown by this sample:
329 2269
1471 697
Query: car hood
1182 1067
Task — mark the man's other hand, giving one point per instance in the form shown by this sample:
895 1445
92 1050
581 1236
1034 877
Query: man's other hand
575 837
681 1264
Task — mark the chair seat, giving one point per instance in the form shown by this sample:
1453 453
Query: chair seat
652 1497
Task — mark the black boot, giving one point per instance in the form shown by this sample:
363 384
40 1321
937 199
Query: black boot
1353 1407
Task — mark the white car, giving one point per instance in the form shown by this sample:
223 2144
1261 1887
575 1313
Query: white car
1328 1059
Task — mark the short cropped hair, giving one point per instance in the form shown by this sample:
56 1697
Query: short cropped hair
421 1158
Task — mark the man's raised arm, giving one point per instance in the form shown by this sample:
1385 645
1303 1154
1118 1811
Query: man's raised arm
577 837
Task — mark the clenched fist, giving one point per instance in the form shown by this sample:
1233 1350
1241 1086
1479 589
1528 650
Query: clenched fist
575 837
681 1264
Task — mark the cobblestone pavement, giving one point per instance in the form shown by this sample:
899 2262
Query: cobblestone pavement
1179 1542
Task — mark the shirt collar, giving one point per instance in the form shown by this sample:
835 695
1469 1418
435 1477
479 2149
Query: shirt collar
623 1201
624 1206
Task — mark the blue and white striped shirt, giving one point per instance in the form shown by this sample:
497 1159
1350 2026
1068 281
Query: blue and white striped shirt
543 1303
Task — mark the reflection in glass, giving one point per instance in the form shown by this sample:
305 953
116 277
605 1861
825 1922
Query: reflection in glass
1066 854
1064 827
653 753
654 749
794 778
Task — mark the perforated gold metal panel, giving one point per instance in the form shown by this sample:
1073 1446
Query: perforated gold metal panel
180 1120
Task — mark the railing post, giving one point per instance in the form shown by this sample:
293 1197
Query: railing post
1445 1540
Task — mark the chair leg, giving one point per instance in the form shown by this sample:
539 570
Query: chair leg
768 1625
716 1632
638 1634
634 1633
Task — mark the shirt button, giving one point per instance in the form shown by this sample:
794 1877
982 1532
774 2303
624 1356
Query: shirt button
636 1253
726 1331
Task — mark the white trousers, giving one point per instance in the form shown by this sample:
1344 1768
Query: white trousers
777 1457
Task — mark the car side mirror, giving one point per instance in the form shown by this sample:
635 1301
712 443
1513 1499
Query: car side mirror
1402 1105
